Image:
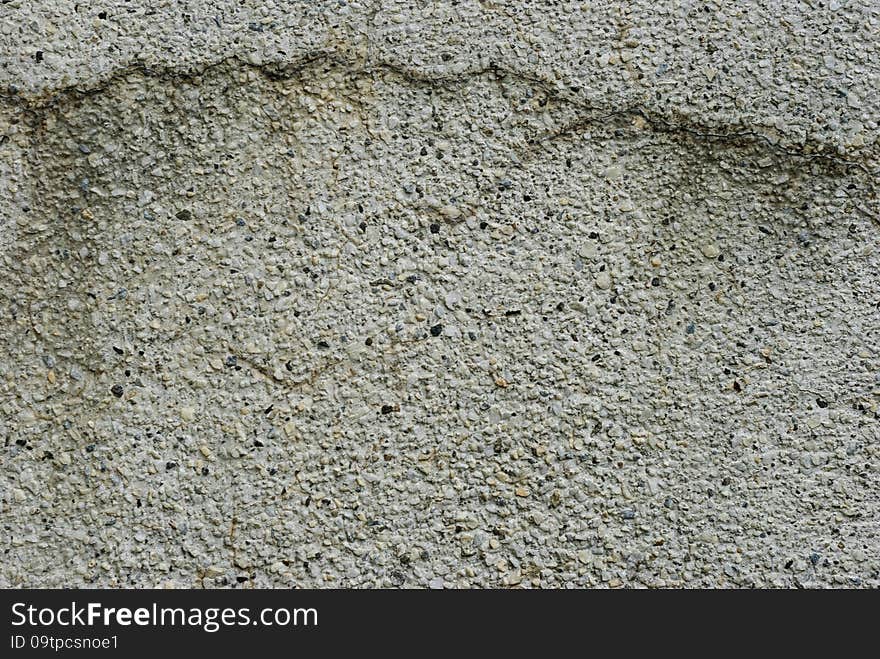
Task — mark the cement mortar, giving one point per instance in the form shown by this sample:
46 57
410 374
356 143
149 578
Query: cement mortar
439 295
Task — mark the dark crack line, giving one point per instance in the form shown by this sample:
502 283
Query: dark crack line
591 114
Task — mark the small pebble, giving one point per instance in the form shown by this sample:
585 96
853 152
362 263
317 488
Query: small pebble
603 280
710 251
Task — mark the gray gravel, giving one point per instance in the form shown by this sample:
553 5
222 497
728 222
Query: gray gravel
440 295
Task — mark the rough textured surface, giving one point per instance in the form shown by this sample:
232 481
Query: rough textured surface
441 295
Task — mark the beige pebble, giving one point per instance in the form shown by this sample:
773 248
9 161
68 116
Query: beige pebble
710 250
603 280
451 212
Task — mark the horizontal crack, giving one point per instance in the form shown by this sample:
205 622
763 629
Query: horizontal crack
731 134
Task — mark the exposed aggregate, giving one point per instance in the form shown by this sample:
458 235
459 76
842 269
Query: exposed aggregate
456 296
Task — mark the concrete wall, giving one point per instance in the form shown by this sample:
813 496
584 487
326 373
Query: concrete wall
440 294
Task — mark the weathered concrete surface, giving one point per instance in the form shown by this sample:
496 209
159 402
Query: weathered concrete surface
453 295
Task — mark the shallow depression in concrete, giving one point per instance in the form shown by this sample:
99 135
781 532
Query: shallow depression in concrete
341 325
